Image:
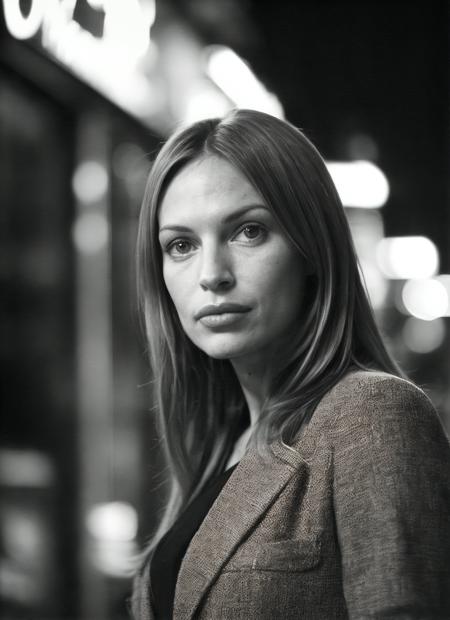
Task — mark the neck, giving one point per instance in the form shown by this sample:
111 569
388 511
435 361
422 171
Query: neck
254 378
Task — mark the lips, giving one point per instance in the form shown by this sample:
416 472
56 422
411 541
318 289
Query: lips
226 308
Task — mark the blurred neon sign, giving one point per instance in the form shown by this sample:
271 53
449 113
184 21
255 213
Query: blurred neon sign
113 63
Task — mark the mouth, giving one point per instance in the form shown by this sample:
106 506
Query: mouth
224 320
221 310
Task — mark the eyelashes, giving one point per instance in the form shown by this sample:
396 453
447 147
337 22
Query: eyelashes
253 232
249 234
179 246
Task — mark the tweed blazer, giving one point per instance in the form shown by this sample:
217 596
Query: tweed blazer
351 521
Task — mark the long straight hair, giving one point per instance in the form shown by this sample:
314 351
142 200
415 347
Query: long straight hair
198 399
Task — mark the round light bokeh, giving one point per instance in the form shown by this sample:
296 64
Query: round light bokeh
423 336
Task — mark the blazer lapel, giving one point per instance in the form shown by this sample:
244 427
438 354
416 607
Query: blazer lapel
249 492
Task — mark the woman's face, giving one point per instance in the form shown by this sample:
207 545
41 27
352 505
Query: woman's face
236 281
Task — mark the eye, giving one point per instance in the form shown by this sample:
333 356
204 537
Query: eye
251 232
179 247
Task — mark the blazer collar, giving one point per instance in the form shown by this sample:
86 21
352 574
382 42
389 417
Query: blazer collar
248 493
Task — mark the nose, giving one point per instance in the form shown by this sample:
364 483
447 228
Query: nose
216 272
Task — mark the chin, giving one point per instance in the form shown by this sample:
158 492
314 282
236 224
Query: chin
224 349
223 353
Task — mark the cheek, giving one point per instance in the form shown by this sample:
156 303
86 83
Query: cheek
284 285
174 286
283 274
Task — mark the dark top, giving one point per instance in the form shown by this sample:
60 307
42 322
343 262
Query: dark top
169 553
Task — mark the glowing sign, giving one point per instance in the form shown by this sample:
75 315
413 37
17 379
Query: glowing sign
111 63
236 79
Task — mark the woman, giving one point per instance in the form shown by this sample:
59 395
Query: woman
307 478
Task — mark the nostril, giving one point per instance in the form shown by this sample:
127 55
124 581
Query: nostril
222 281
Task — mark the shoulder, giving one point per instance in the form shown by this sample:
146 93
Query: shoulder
376 413
357 386
373 411
369 398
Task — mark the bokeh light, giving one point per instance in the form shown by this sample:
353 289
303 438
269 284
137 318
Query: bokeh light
423 336
90 232
407 257
362 146
113 521
113 527
90 182
359 183
425 299
444 279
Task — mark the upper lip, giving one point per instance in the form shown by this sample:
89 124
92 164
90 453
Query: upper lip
220 309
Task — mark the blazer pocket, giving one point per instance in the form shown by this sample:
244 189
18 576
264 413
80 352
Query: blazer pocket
288 555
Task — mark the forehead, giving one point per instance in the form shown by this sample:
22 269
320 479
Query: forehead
206 184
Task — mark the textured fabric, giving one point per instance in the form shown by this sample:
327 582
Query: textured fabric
352 521
171 548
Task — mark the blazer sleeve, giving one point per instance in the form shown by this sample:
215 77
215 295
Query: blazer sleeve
392 504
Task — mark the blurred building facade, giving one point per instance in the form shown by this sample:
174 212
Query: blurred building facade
74 162
88 91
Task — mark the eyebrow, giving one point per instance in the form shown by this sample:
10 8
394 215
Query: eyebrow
232 217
